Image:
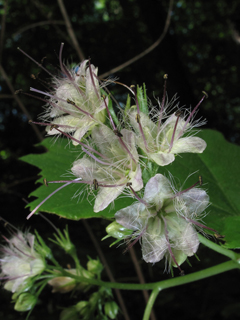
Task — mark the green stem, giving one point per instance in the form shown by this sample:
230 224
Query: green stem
226 252
220 268
150 303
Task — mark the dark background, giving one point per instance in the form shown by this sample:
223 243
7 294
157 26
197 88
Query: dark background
201 51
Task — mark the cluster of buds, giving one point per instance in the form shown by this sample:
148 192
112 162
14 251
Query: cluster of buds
22 262
115 153
25 271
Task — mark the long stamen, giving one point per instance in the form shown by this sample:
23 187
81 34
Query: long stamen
67 73
198 224
37 63
94 182
62 66
117 133
46 124
95 158
139 123
93 83
169 246
194 185
49 196
81 143
178 114
205 95
129 184
165 77
135 241
81 110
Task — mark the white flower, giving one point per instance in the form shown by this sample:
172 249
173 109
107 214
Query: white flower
162 142
164 221
76 105
117 166
20 261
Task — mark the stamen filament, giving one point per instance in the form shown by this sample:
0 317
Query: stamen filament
169 246
173 135
118 135
49 196
183 191
139 123
37 63
135 240
93 83
136 196
199 224
66 72
82 144
165 77
191 114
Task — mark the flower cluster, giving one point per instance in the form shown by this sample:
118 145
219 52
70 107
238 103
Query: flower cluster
115 156
164 220
20 261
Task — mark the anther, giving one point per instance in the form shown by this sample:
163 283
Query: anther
138 118
200 180
205 93
117 133
54 126
30 121
71 102
165 77
45 182
43 59
218 236
178 113
18 91
95 184
129 184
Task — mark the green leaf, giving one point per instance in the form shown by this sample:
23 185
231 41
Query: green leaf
55 165
219 167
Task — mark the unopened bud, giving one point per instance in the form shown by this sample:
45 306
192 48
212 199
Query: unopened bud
25 302
111 309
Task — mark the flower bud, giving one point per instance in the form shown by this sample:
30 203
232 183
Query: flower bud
62 284
26 301
81 307
117 231
111 309
69 314
94 266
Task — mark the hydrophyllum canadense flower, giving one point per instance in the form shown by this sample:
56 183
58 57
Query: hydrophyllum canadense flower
164 220
115 167
162 141
75 103
20 261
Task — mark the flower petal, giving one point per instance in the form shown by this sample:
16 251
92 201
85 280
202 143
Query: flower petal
196 201
161 158
105 196
154 243
133 217
189 144
157 190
